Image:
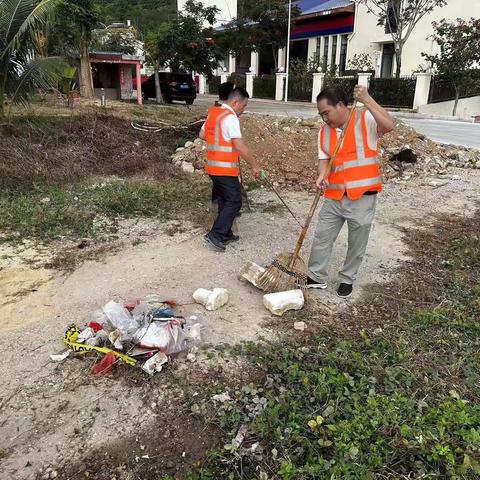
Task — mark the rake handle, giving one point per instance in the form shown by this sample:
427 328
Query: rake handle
319 193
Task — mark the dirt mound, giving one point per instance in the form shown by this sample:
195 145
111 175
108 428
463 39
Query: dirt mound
50 150
287 149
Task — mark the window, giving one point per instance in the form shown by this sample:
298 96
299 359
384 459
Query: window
318 50
325 52
334 50
343 53
393 12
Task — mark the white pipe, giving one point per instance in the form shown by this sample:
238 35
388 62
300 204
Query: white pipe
288 49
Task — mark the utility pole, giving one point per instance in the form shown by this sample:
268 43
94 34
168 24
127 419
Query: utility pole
288 49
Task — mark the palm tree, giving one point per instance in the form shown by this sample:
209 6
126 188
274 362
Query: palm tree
23 68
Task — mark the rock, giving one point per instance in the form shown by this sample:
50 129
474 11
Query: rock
281 302
188 167
211 299
404 156
188 144
197 141
180 149
45 200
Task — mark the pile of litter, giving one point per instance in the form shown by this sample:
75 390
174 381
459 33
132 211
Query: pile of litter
287 150
139 333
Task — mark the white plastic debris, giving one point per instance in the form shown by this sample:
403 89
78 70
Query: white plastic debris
192 354
301 326
119 318
211 299
221 397
85 335
60 357
168 336
155 363
251 272
281 302
115 338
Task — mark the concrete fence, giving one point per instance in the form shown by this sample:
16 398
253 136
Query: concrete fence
420 97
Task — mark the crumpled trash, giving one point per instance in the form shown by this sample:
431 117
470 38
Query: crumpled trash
211 299
120 319
60 357
166 336
104 365
154 364
85 335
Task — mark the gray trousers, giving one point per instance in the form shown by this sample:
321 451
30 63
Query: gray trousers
359 216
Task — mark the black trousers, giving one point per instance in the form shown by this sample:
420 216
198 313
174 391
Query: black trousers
229 198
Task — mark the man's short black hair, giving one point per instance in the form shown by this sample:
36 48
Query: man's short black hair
333 95
239 94
225 89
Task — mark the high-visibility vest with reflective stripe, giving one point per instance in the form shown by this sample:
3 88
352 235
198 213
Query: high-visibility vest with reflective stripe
356 169
222 158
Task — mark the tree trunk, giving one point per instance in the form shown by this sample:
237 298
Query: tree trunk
85 77
158 92
455 105
398 58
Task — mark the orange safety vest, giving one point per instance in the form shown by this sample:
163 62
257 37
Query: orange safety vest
356 169
222 157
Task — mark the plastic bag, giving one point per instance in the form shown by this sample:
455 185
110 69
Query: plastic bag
104 365
166 336
120 319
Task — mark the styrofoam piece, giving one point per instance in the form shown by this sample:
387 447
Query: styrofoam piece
211 299
155 363
251 272
280 302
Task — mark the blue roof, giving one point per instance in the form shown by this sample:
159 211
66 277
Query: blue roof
315 6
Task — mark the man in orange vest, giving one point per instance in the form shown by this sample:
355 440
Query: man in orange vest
352 185
225 145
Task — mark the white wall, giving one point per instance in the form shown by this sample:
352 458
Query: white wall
467 108
367 32
228 9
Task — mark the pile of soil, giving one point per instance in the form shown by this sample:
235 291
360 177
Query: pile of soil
288 150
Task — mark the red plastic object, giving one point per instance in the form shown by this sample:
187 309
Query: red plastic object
104 365
95 326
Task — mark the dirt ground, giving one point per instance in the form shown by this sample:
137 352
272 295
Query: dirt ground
54 415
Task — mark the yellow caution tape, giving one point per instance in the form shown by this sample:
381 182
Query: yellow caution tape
71 337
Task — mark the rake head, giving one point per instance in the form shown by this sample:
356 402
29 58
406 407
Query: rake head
286 272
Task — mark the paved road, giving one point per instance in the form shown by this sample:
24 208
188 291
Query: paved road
457 133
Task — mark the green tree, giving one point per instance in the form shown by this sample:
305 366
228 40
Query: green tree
23 66
459 44
259 23
70 35
186 44
400 17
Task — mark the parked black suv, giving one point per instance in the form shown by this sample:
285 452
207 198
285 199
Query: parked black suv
174 86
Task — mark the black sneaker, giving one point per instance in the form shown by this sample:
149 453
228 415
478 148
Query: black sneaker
214 242
311 283
231 238
344 290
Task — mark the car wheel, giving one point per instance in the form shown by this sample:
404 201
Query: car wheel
190 101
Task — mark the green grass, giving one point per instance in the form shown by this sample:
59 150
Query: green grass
400 404
50 213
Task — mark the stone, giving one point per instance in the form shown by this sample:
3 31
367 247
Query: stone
180 149
188 167
300 326
281 302
188 144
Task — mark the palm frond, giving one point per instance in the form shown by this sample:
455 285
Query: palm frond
39 73
19 18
